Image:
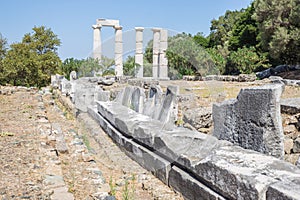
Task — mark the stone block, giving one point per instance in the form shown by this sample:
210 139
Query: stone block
284 190
230 171
237 173
84 96
147 159
168 110
253 120
137 100
189 187
65 86
101 95
124 96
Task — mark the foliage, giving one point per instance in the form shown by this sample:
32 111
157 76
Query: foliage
221 28
218 59
3 50
187 57
148 55
279 28
112 186
3 46
69 65
201 40
147 69
247 60
130 68
244 31
32 61
87 67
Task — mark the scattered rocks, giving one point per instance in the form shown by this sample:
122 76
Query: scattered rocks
296 147
199 118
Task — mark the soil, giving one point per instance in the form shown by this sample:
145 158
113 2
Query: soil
33 167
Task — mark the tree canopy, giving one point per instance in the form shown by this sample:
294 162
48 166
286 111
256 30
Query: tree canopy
32 61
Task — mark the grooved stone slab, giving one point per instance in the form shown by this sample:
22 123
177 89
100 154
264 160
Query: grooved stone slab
253 120
189 187
147 159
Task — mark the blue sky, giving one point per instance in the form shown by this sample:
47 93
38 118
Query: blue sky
71 20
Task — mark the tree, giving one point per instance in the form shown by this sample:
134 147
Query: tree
246 60
201 40
279 29
130 67
218 60
32 61
92 66
186 57
69 65
245 30
148 55
3 50
3 46
221 29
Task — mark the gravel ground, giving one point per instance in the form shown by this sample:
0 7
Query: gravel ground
45 153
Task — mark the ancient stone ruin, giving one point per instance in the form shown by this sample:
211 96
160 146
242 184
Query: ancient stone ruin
197 165
253 120
160 45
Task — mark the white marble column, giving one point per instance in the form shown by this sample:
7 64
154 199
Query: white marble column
139 51
156 41
163 61
97 51
118 51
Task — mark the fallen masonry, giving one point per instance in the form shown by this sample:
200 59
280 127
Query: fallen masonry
253 120
197 165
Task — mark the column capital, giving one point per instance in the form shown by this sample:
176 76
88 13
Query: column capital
118 27
97 26
139 28
156 29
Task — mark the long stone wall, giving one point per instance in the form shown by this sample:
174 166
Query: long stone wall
197 165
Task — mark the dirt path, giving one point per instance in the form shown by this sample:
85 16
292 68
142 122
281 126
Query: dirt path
45 153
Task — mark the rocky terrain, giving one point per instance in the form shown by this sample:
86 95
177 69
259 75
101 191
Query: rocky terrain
45 153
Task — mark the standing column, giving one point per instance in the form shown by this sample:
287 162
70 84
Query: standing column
118 51
163 65
139 51
97 51
156 41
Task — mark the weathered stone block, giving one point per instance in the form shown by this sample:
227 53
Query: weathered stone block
149 160
285 190
169 108
189 187
238 173
84 96
253 120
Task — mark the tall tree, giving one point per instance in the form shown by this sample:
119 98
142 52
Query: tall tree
3 50
3 46
32 61
245 30
279 29
221 28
